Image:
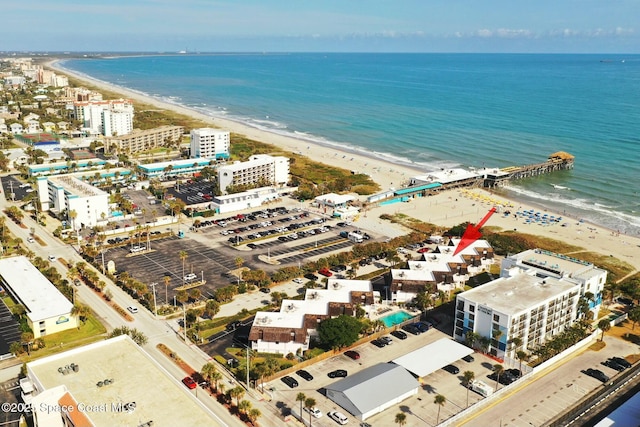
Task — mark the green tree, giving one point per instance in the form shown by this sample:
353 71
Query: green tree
498 369
309 403
439 400
301 397
138 337
211 308
244 406
604 325
521 355
401 419
253 415
183 255
208 371
339 332
237 393
468 378
634 316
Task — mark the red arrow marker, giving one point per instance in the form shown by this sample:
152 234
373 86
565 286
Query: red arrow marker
472 233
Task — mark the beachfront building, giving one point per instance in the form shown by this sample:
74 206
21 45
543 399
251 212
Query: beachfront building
47 311
57 168
248 199
439 270
80 203
174 168
109 118
259 169
523 305
109 383
142 140
590 278
210 143
290 329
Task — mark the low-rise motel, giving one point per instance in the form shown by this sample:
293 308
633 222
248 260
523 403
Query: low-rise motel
47 310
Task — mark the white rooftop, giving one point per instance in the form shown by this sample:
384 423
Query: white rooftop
448 176
413 274
334 199
512 295
75 186
431 357
38 295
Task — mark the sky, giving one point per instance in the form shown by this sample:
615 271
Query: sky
524 26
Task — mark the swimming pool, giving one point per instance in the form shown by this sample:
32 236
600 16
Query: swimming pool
395 318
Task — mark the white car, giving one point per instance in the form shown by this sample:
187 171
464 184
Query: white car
132 309
52 258
338 417
314 411
30 239
298 280
190 276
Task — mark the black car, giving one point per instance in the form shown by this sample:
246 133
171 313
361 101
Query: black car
378 343
265 290
304 374
252 245
290 381
399 334
469 358
516 373
422 326
621 361
311 276
451 369
613 365
412 329
505 378
338 373
597 374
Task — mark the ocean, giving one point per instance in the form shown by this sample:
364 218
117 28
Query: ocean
430 110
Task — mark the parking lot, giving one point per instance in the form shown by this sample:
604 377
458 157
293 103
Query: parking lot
9 329
11 184
420 409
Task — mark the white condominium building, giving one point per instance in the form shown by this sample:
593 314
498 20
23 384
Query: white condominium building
109 118
210 143
268 169
526 306
74 197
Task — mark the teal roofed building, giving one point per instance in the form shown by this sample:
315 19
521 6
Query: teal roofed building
58 168
174 168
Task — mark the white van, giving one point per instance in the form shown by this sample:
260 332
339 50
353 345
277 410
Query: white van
338 417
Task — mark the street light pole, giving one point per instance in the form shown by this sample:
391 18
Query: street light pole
155 305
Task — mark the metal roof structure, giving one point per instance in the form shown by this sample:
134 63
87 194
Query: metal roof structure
430 358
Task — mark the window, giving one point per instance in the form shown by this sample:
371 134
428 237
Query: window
472 316
472 308
496 318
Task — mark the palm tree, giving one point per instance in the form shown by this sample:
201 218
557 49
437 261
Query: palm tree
207 371
183 256
468 378
301 397
244 406
216 377
167 279
401 418
439 400
253 415
237 392
309 403
498 369
604 326
522 356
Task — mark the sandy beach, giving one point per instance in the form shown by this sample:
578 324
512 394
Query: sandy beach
446 209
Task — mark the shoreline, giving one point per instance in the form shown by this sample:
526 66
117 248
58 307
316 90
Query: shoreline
445 209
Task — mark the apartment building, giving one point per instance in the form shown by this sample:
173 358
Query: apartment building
523 305
66 194
109 118
210 143
261 167
141 140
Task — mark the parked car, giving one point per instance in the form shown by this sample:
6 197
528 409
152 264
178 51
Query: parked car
399 334
469 358
386 339
424 250
352 354
338 373
311 276
379 343
314 411
338 417
189 382
325 272
304 374
265 290
609 363
298 280
422 326
451 369
516 373
597 374
411 328
621 361
290 381
505 378
190 276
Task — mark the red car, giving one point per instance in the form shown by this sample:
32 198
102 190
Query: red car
424 250
325 272
352 354
189 382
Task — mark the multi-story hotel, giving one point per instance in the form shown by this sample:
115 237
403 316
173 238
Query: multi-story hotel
271 170
141 140
109 118
210 143
531 308
66 194
536 298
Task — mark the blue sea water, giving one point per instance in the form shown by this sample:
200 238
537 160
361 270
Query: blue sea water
432 111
